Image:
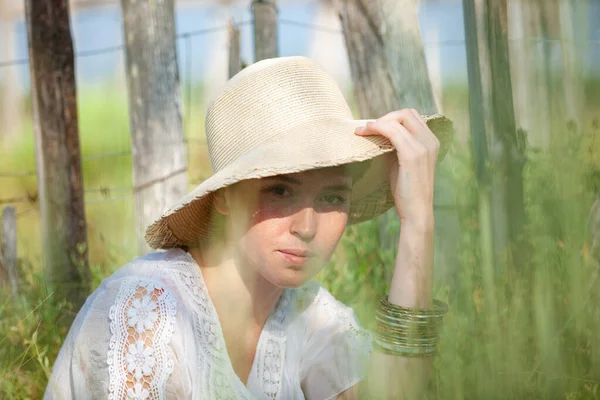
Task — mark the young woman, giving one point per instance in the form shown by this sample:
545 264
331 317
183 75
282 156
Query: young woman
230 309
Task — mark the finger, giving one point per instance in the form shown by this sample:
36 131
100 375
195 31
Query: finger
424 134
415 124
404 115
431 135
406 144
419 117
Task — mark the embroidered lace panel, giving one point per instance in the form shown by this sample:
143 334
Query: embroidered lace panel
142 319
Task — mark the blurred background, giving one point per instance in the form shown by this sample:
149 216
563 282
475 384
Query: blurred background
517 248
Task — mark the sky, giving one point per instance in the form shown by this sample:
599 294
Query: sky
201 57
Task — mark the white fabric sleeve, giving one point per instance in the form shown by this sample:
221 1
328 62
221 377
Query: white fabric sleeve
121 345
337 351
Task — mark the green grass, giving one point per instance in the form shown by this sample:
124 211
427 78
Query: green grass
532 336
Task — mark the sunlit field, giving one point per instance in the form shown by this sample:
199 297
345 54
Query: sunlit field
534 334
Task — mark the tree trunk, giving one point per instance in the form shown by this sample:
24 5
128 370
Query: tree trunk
571 44
497 146
547 66
531 104
264 16
386 54
60 182
553 77
389 71
159 154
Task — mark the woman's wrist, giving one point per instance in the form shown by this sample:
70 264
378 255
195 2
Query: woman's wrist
423 222
412 280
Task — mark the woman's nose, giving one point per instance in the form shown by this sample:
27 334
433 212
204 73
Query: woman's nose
304 224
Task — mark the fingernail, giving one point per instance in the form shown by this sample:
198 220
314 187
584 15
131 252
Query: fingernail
359 129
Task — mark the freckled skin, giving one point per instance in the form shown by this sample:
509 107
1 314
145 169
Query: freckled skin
271 214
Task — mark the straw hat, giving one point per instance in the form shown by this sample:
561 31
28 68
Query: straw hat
281 116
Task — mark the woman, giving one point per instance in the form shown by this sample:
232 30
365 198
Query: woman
230 310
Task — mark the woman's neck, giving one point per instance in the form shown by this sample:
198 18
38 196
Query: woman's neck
241 296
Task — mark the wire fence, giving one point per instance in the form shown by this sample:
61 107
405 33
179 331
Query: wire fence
109 194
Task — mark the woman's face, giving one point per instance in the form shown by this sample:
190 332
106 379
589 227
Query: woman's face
286 227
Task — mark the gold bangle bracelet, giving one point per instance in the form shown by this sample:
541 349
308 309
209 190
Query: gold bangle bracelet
403 351
411 332
439 309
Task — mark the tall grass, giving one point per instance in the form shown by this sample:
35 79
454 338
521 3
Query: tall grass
536 334
538 338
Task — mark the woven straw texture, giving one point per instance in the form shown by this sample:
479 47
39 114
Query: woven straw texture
282 116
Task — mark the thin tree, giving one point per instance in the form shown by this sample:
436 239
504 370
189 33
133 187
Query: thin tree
498 148
60 182
157 140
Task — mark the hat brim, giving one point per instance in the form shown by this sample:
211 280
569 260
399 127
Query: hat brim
317 144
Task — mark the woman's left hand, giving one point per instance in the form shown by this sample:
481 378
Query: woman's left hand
412 173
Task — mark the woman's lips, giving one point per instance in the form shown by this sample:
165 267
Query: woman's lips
296 257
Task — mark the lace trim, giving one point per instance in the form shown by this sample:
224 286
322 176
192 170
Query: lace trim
218 380
270 352
142 320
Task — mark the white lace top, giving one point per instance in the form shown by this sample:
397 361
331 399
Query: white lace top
150 331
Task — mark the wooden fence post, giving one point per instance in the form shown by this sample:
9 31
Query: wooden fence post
389 71
11 104
264 17
60 183
235 62
497 146
159 153
8 260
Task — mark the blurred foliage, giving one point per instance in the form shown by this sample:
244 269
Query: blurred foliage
534 336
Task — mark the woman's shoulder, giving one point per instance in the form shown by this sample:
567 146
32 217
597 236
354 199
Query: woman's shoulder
151 269
142 279
152 265
131 316
319 304
332 323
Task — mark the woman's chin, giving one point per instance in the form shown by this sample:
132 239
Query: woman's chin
290 277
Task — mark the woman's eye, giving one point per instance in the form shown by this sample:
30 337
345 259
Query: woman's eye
334 199
279 191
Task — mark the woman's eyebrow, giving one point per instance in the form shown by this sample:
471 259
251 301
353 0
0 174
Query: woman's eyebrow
285 178
342 187
296 181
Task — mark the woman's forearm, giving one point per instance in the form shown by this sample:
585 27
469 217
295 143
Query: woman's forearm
412 178
412 281
398 377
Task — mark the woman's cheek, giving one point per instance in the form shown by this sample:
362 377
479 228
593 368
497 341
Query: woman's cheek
271 209
335 228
